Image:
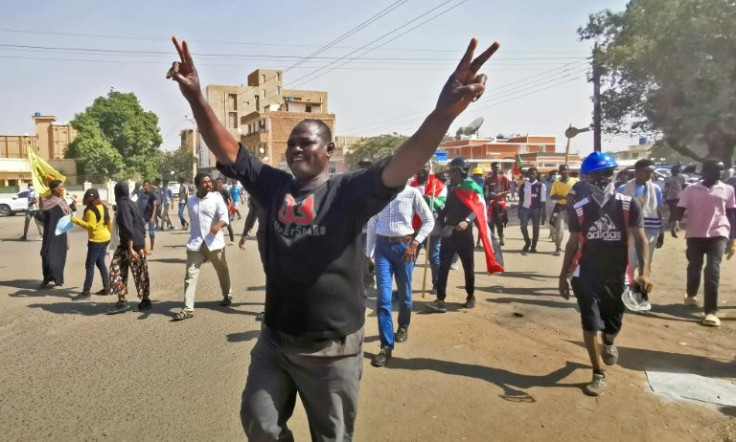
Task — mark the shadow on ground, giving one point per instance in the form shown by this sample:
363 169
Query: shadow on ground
244 336
538 302
165 308
513 384
641 359
169 260
29 288
520 291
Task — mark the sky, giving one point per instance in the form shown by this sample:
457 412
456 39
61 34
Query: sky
57 57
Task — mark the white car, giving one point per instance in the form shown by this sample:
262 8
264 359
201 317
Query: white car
19 203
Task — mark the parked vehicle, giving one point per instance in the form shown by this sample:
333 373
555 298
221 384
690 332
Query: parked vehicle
19 203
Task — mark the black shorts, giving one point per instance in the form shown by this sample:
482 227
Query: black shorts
601 306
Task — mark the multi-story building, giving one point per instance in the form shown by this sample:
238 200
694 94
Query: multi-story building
262 113
537 151
634 153
49 141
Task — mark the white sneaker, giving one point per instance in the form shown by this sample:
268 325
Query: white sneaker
455 265
691 301
711 320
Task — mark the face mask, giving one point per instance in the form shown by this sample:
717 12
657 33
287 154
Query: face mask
601 182
600 189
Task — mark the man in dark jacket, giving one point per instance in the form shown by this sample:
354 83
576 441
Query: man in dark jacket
129 254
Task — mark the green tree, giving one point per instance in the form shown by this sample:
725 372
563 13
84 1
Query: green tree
116 138
178 161
669 69
96 157
373 148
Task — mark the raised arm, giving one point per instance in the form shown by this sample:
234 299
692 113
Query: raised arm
464 86
218 139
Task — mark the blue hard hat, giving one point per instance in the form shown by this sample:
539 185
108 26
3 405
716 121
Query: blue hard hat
597 161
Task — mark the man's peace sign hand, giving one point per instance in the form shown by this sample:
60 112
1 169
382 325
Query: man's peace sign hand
184 72
465 85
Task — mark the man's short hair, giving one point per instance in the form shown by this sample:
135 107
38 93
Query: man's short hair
644 163
495 163
200 176
146 181
324 130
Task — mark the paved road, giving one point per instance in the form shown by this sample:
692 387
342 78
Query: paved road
511 369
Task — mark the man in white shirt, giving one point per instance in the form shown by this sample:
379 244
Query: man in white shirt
32 214
392 241
207 216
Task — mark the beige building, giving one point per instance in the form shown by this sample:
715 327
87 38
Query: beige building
50 141
633 153
262 113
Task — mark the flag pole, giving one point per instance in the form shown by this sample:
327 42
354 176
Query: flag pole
429 237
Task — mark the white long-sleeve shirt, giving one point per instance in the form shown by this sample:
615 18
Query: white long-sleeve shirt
203 214
395 220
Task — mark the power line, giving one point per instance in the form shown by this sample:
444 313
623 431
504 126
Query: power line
125 52
505 87
510 99
392 39
349 33
375 66
379 39
243 43
512 95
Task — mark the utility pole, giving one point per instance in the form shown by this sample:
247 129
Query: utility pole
596 101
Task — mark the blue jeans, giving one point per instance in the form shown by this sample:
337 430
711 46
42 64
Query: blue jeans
388 262
96 257
182 206
533 215
434 256
151 227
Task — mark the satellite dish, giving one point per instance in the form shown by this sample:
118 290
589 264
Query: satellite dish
473 127
470 129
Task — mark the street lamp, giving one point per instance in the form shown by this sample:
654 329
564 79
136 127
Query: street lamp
570 133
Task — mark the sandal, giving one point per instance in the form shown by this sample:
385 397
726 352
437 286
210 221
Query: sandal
183 314
711 320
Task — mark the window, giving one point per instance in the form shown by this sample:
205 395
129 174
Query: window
232 120
263 79
278 90
278 76
308 109
264 93
232 101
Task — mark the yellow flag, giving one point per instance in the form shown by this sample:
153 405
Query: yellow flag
42 174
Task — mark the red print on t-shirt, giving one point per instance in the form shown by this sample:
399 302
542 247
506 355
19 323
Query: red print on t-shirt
300 213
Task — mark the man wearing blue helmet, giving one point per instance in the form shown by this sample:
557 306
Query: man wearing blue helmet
596 256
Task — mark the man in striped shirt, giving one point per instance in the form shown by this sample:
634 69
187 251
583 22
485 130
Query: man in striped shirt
393 245
650 196
533 195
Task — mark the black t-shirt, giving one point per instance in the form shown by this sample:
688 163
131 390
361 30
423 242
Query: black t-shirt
312 252
455 210
145 203
605 234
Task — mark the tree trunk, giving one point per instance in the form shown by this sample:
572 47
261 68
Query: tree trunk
721 148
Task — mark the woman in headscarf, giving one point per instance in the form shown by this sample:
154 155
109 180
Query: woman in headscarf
129 253
96 220
54 247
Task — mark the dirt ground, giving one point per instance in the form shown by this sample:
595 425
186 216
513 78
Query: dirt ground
511 369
